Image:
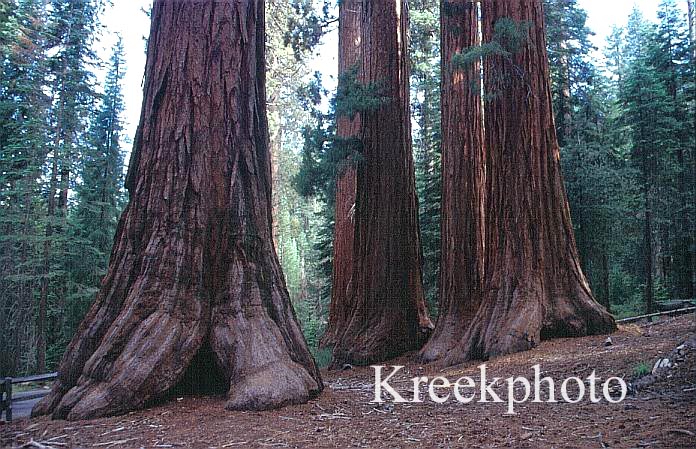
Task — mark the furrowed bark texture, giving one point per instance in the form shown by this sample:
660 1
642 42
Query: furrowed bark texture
193 270
534 288
349 54
463 172
389 315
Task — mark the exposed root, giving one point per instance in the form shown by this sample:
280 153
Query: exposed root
273 386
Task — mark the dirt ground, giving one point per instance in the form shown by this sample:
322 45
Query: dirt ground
661 414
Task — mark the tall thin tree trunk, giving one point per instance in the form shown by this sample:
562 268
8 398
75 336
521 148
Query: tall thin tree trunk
534 288
683 265
389 314
275 146
606 287
64 182
647 166
566 127
664 250
648 255
46 269
692 230
692 27
349 55
48 244
463 180
194 285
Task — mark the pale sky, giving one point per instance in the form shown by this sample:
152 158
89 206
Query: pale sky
127 18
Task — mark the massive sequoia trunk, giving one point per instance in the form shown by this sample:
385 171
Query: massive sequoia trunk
534 288
389 314
349 55
193 272
462 180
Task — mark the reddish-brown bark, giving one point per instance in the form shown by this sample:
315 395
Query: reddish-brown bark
533 288
389 315
194 274
463 172
349 55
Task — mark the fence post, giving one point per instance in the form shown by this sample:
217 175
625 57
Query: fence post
8 399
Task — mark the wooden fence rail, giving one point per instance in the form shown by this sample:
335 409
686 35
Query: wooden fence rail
6 396
654 315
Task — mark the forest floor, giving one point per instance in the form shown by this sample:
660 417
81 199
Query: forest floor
661 414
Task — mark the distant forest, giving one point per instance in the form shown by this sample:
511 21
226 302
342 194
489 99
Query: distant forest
625 116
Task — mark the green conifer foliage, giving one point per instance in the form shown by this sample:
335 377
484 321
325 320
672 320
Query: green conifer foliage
425 101
99 197
23 141
70 34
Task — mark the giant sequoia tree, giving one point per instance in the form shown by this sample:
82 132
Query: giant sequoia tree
463 178
347 127
389 314
194 282
533 286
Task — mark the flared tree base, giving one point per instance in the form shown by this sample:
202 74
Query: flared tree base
516 318
269 380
